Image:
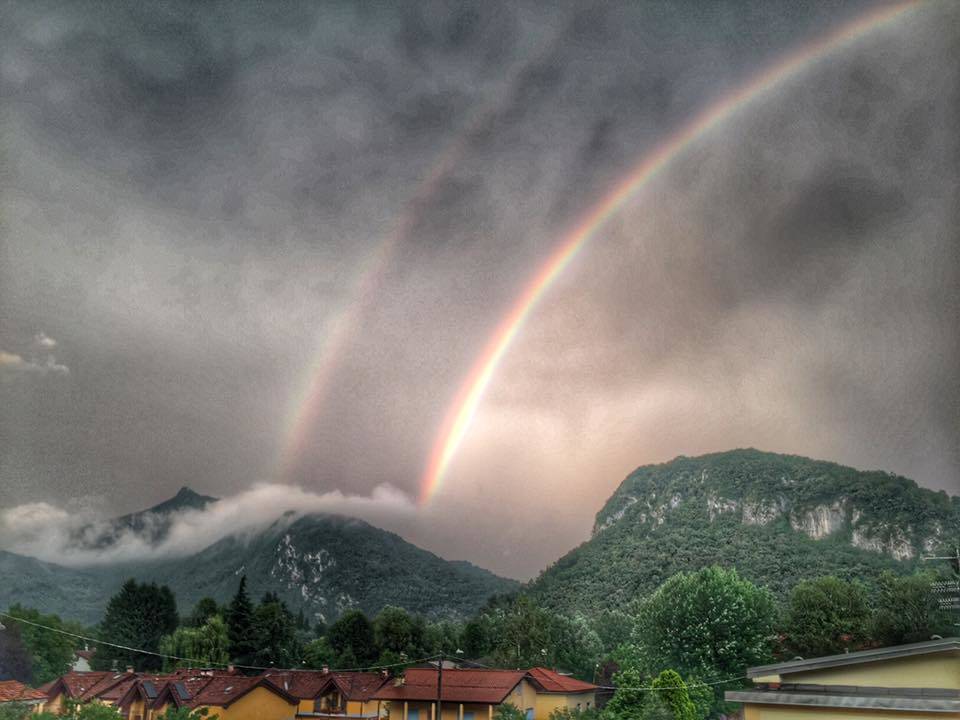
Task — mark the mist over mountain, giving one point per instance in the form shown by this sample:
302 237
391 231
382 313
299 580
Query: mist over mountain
321 563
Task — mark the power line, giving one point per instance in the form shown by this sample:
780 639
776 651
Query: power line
199 662
207 663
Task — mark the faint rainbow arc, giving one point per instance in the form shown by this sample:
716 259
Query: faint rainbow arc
467 400
304 414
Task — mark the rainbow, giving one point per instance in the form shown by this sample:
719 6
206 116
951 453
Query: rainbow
303 413
467 400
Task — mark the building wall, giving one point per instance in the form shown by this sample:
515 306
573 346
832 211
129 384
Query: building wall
937 670
546 703
771 712
258 704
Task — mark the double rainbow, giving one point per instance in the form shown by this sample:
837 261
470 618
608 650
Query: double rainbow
467 400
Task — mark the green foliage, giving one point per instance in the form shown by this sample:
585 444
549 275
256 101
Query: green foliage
15 660
352 638
907 611
240 631
826 616
670 692
565 713
627 702
185 713
442 637
318 654
659 522
205 609
711 623
51 652
274 632
508 711
15 711
397 631
138 616
204 646
90 711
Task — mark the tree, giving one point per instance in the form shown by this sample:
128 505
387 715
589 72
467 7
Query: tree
16 711
136 617
709 624
442 637
51 652
574 646
205 646
240 626
826 616
352 639
906 610
669 693
319 654
274 632
205 609
627 702
508 711
90 711
521 633
397 631
15 661
185 713
476 640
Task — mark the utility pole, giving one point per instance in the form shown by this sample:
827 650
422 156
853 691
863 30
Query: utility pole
948 590
440 688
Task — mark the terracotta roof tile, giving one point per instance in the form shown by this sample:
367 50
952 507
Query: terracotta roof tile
358 685
221 691
302 684
479 686
16 691
553 682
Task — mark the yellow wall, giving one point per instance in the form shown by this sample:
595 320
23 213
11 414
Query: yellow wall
770 712
937 670
258 704
546 703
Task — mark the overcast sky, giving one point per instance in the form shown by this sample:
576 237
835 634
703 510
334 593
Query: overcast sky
195 195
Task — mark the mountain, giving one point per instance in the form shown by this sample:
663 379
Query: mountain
777 518
323 564
151 525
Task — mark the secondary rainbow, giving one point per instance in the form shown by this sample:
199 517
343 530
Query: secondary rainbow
307 405
467 400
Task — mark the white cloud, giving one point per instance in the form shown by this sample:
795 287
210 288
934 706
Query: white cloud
12 365
41 339
52 534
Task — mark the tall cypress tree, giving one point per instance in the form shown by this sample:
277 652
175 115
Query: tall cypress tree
240 626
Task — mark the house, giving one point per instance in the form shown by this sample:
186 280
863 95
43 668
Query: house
81 659
14 691
920 680
474 694
555 691
324 694
231 697
81 686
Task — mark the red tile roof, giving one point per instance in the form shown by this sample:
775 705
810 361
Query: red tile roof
553 682
358 685
222 691
16 691
302 684
478 686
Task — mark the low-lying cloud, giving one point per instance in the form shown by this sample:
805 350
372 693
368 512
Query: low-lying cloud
55 534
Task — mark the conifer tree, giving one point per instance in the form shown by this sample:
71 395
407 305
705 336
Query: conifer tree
240 626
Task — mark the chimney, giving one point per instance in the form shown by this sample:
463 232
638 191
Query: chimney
231 669
325 669
129 668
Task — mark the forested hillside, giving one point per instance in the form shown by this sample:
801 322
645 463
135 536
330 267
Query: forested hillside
776 518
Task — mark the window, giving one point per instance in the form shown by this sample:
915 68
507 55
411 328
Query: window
468 715
588 704
413 714
578 707
529 714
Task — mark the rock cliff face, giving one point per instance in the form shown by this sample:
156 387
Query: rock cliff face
853 504
777 518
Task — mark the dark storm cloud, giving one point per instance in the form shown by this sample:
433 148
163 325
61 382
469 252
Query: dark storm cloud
193 193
